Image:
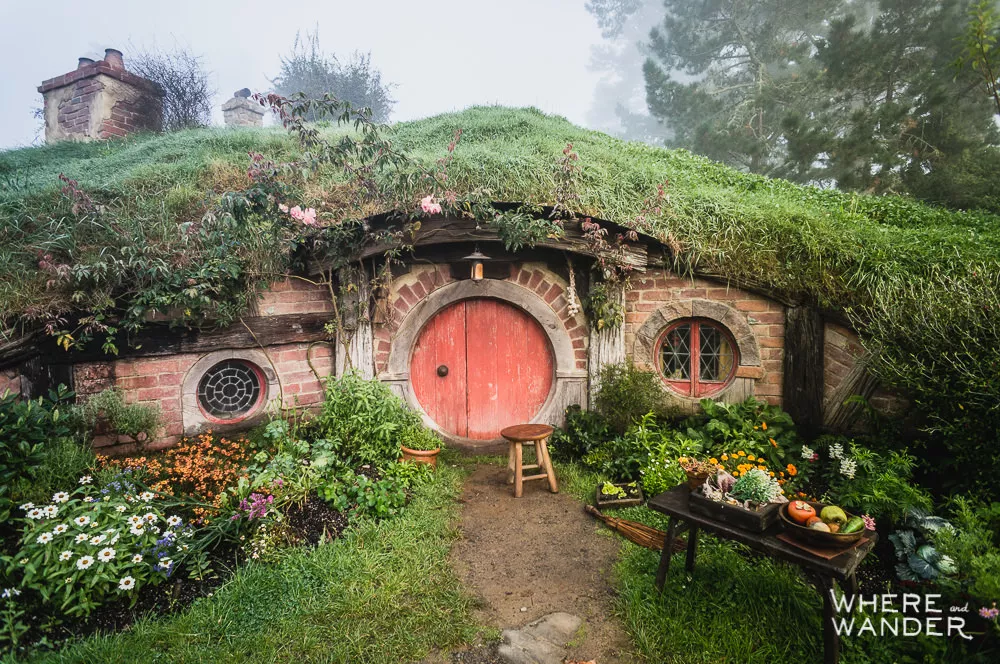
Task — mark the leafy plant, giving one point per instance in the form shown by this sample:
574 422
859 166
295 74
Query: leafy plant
611 489
641 452
418 437
26 426
139 421
627 393
363 420
755 486
584 431
362 496
974 545
918 558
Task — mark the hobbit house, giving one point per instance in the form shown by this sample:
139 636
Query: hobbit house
473 333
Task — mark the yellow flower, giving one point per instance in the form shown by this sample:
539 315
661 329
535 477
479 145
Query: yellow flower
751 458
713 460
725 457
682 460
771 473
741 453
736 473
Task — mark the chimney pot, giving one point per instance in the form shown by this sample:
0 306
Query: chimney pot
114 58
84 62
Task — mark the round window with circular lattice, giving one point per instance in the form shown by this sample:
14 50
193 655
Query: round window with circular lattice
231 390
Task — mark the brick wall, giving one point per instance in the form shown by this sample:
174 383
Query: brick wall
74 110
654 288
294 296
410 288
841 351
10 380
158 380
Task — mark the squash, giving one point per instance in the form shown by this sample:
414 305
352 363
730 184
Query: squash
800 511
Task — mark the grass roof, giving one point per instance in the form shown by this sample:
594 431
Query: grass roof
901 265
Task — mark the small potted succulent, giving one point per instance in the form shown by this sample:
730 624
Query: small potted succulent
697 471
419 445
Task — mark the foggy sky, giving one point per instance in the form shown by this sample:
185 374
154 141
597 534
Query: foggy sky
444 55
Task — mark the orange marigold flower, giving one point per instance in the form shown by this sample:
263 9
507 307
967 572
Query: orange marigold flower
763 425
741 453
751 458
774 443
792 470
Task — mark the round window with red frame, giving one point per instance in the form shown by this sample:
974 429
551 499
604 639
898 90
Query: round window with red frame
696 357
231 391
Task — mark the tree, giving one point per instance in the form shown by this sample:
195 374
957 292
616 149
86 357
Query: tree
187 100
857 94
979 51
309 71
723 74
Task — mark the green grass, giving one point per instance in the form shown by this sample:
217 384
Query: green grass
383 593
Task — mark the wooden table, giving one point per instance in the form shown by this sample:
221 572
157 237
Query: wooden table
821 572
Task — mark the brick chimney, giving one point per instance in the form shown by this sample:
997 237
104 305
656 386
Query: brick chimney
100 100
241 112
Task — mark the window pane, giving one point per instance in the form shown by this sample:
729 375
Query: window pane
675 354
716 354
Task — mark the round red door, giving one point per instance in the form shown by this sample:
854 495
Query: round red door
481 365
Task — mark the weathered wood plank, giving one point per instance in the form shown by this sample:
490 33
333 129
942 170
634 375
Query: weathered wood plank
607 346
355 310
802 381
839 417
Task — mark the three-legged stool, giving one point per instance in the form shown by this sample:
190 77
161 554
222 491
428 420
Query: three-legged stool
538 434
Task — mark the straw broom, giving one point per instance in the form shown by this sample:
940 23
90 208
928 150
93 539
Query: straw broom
641 534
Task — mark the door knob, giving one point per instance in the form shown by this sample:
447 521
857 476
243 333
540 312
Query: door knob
442 371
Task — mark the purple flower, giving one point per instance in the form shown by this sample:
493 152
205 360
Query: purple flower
990 613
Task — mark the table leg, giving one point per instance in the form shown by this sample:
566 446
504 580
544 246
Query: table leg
831 640
668 550
692 548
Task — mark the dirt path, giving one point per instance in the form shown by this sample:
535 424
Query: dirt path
541 553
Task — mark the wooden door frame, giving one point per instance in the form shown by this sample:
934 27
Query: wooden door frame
569 384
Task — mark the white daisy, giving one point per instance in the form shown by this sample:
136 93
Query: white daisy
137 558
51 511
35 513
60 529
88 499
146 496
82 537
44 538
60 497
93 525
127 583
104 555
135 520
86 479
97 539
136 530
109 531
27 506
84 562
114 539
65 555
155 529
174 521
149 517
121 508
81 520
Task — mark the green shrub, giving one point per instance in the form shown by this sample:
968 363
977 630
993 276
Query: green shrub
27 426
364 420
584 431
626 393
866 482
750 425
138 421
365 497
645 442
974 545
418 437
63 461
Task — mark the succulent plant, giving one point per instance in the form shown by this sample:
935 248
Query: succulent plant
755 486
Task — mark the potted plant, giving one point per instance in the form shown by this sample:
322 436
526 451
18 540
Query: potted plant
697 471
419 445
623 494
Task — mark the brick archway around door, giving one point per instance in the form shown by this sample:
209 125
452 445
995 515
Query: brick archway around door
569 382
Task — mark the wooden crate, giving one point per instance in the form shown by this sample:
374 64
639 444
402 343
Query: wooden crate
734 515
604 502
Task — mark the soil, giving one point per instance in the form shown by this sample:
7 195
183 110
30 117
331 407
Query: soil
316 521
530 556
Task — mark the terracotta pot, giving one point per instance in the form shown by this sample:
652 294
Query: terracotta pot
695 481
420 456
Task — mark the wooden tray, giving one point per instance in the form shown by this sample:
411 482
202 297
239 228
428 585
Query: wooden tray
734 515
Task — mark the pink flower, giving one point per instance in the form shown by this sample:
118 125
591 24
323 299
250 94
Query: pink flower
869 522
990 613
296 213
429 206
283 207
309 217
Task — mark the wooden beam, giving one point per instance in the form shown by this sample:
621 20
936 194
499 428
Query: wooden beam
158 339
803 372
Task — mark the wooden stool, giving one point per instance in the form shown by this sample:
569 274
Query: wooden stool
529 433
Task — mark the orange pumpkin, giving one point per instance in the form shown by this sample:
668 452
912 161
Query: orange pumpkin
800 511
